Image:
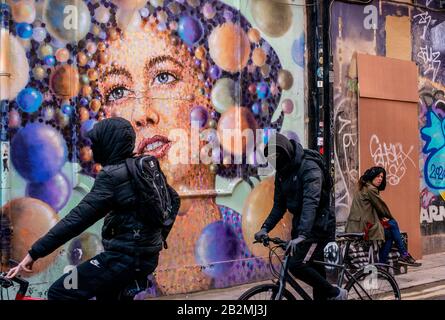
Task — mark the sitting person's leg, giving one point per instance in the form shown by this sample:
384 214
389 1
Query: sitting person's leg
395 233
405 257
386 247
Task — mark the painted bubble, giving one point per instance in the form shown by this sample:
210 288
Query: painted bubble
229 47
38 152
55 191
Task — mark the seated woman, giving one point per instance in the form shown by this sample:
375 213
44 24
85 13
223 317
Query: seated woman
370 214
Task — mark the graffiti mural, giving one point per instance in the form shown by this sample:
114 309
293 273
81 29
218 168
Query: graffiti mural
364 29
183 72
432 119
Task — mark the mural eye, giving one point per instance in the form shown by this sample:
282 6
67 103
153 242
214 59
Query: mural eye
117 94
165 78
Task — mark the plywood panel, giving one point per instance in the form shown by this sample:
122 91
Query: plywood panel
387 78
398 38
389 137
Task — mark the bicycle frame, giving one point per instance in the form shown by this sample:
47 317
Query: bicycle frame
286 277
344 274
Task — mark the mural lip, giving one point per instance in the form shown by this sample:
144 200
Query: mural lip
160 146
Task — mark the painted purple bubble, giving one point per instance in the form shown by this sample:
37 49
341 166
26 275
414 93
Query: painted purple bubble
217 248
200 115
288 106
55 191
190 30
87 126
214 72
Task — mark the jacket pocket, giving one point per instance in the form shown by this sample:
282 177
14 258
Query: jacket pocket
354 224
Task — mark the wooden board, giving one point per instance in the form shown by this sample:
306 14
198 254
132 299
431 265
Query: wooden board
387 78
389 137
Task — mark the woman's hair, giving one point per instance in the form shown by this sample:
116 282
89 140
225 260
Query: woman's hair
369 175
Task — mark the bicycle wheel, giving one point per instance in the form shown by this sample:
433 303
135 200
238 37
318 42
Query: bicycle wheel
372 283
265 292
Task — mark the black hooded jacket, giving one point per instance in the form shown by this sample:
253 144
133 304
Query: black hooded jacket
300 190
112 197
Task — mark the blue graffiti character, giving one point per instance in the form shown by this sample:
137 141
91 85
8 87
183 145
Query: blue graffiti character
434 135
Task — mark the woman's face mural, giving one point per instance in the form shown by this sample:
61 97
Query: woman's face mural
180 71
156 92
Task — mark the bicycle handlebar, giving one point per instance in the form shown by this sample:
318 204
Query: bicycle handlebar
265 241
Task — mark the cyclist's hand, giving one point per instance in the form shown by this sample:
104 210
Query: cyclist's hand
25 265
260 235
292 245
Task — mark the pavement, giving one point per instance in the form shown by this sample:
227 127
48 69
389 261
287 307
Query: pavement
419 283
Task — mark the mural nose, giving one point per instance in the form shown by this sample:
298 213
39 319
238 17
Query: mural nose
145 116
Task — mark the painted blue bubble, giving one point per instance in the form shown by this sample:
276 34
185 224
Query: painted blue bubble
83 101
298 50
190 30
49 60
262 90
29 100
256 108
38 152
87 126
24 30
67 109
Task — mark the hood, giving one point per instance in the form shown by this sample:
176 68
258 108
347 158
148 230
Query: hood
298 153
293 149
113 141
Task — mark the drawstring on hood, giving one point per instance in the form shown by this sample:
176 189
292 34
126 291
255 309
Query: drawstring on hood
113 141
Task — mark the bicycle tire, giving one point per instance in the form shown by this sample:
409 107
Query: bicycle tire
390 289
265 288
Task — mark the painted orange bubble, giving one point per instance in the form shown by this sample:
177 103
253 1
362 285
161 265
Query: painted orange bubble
83 114
30 219
64 81
285 79
92 74
229 47
104 57
256 209
200 52
62 55
95 105
101 46
259 57
82 59
86 91
231 127
254 35
24 11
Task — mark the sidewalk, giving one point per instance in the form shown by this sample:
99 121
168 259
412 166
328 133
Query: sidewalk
431 271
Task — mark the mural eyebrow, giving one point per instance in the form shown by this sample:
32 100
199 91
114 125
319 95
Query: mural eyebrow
160 59
117 71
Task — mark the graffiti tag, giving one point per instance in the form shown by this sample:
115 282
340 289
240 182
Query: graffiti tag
392 157
430 60
432 214
425 19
